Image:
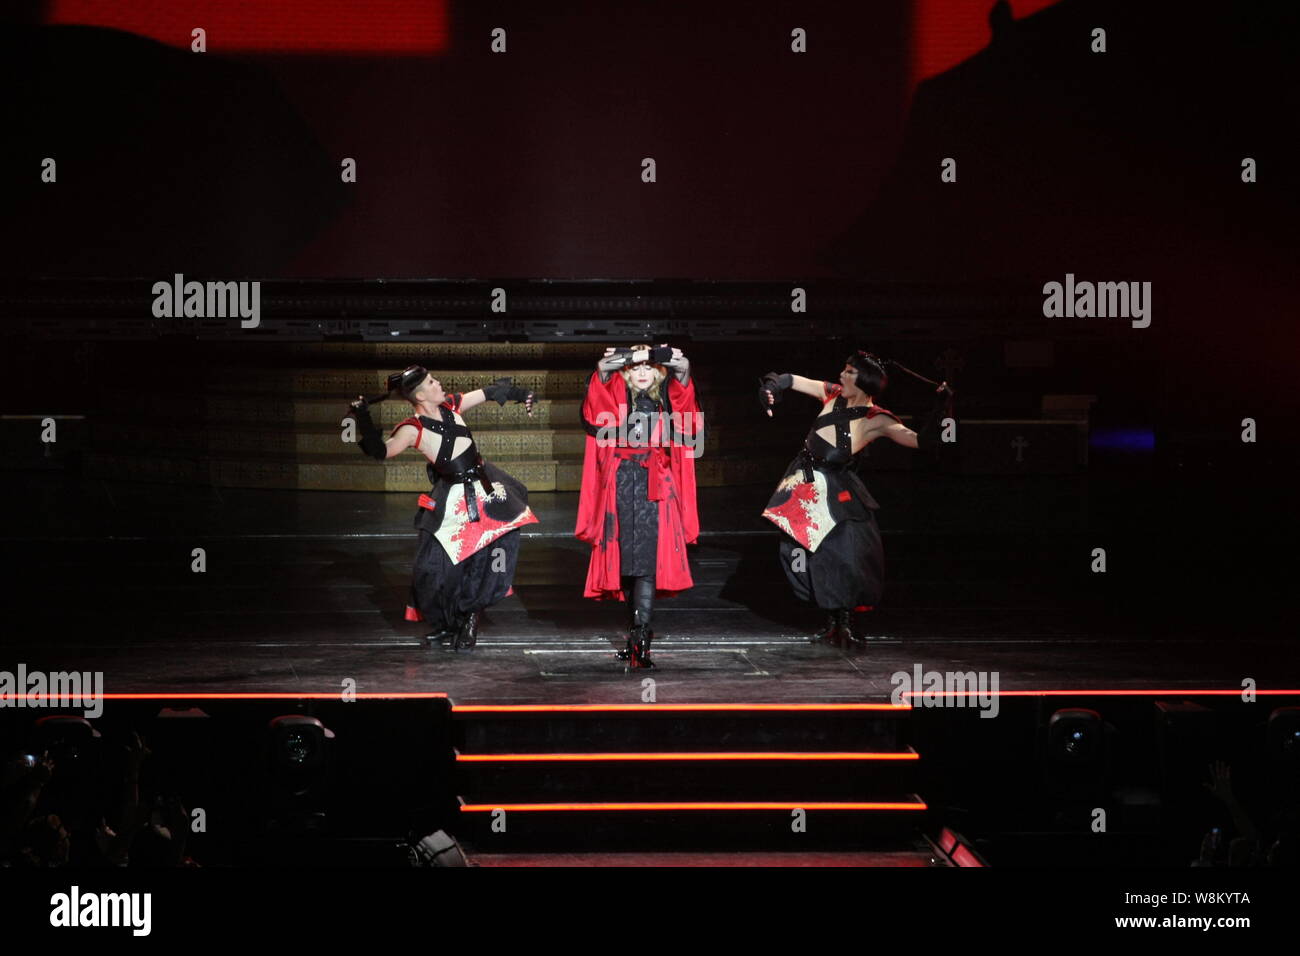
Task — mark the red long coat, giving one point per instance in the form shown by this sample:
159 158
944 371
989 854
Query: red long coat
672 483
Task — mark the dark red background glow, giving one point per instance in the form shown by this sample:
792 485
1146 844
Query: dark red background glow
237 26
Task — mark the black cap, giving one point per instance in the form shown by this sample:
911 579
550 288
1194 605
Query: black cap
408 380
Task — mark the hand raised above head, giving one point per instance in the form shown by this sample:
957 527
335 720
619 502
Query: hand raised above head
612 360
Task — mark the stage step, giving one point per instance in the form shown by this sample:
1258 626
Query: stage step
280 410
792 858
646 728
407 473
254 438
703 774
273 420
349 382
707 776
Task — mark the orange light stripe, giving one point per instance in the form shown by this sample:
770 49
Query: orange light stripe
730 755
305 695
1101 693
599 708
541 807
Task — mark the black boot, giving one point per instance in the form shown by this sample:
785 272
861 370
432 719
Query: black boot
638 646
852 632
441 636
640 636
629 620
467 635
629 604
829 633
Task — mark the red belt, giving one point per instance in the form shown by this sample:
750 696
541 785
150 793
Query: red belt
655 459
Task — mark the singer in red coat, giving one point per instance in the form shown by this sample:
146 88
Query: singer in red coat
637 505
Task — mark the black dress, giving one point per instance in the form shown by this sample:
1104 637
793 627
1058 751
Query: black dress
638 516
468 525
831 549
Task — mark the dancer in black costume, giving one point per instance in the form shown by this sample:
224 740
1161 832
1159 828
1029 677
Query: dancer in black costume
831 549
472 504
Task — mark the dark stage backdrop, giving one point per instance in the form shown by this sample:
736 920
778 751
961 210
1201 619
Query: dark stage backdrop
528 162
1124 165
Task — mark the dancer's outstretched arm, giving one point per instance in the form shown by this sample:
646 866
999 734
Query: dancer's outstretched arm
929 431
900 433
501 391
772 385
372 440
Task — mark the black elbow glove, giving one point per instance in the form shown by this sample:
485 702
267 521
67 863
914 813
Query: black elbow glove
773 385
372 439
505 390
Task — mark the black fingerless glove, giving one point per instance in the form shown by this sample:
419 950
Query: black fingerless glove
372 439
505 390
773 384
927 436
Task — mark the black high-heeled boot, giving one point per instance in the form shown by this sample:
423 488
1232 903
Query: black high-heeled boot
640 636
629 604
830 632
467 635
441 636
853 632
638 646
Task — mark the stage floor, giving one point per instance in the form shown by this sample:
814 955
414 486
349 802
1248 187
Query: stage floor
304 590
874 858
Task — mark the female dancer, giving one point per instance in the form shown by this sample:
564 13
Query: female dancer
472 504
831 549
637 505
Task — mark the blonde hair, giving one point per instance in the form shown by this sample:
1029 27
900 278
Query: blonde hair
661 373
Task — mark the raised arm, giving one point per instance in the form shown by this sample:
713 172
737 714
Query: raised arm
900 433
609 363
809 386
372 440
501 391
928 436
771 386
615 359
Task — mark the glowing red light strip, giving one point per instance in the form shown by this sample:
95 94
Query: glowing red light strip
304 695
964 856
1100 693
597 807
600 708
729 755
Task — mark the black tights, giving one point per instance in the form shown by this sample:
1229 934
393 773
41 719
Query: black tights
640 595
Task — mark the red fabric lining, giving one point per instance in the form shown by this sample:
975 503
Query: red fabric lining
410 421
672 473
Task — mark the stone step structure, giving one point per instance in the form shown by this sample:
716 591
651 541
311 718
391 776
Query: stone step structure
274 419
